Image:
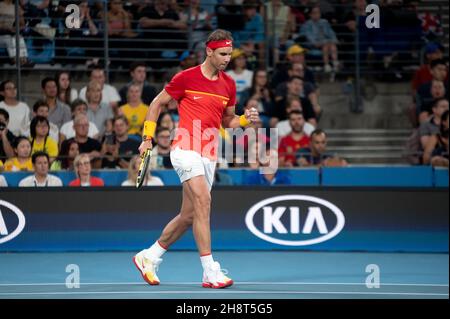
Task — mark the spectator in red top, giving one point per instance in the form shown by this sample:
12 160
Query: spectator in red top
82 165
296 140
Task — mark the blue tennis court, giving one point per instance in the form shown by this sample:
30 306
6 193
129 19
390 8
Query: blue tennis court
261 275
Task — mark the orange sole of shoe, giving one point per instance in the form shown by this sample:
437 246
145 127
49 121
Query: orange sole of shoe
220 286
150 282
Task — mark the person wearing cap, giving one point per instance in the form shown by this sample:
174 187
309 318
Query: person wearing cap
239 72
295 54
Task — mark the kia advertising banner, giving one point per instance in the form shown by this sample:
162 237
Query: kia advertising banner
258 218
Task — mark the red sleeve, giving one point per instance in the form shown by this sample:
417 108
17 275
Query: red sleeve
282 148
232 101
175 88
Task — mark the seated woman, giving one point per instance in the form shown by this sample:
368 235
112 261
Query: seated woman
22 160
436 149
133 170
83 168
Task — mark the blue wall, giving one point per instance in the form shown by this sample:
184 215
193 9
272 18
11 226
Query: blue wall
398 176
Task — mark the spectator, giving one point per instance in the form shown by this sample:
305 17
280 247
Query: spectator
165 120
291 143
239 72
40 139
19 112
134 110
433 89
284 128
309 89
84 42
320 36
295 89
99 112
251 37
66 93
40 108
272 177
188 59
433 51
41 177
282 20
316 154
109 96
8 32
160 22
200 21
68 131
138 72
126 147
83 168
22 160
133 169
86 144
295 54
436 150
260 92
66 156
161 152
432 125
3 182
59 113
119 30
6 137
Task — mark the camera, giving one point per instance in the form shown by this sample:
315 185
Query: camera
110 139
2 126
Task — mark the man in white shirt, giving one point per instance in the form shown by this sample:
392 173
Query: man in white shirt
41 177
68 131
284 128
19 112
109 92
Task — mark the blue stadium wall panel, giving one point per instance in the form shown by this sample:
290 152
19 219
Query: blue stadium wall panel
250 218
407 176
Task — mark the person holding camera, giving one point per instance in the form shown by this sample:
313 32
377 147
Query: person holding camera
6 137
118 148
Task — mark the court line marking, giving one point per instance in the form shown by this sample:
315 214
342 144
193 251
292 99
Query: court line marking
227 292
237 283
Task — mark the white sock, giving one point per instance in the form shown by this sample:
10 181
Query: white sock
206 261
155 251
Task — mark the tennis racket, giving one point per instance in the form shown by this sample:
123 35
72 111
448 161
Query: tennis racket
143 167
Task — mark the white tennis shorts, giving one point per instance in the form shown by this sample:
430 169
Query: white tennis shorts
189 164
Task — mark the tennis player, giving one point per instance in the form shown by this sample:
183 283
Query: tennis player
206 99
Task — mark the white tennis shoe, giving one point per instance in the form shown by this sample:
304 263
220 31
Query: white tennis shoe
147 267
213 277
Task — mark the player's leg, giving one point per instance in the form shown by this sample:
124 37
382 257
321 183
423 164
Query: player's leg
200 187
201 200
178 225
148 260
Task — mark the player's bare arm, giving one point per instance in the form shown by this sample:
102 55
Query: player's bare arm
163 98
231 120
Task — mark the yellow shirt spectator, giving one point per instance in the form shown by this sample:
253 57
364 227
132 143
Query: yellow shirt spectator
13 165
135 116
50 147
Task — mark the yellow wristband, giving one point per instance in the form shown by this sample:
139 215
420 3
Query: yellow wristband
149 129
243 121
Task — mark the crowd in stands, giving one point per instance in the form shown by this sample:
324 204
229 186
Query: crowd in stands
99 126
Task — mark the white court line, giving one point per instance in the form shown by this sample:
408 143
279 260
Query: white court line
236 283
227 292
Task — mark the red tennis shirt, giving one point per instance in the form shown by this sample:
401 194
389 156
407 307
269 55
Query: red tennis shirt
201 104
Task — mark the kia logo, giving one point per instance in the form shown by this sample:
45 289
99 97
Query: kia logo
295 216
4 230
